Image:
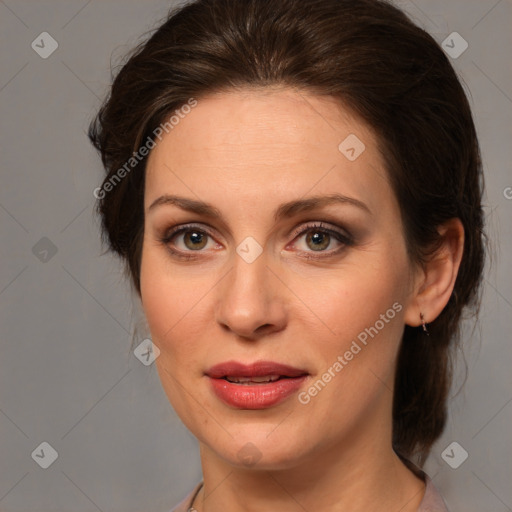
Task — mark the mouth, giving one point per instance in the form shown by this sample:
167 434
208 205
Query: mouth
254 380
255 386
258 372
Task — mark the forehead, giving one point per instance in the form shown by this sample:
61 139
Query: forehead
260 144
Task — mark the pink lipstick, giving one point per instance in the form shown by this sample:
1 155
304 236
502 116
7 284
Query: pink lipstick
255 386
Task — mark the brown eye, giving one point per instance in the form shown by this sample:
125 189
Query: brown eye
195 239
322 240
186 240
318 240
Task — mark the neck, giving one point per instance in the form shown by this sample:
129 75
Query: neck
357 475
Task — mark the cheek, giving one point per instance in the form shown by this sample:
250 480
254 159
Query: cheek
356 347
163 297
168 304
174 304
361 320
355 299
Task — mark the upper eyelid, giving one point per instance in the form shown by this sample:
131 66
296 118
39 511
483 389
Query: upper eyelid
321 226
186 227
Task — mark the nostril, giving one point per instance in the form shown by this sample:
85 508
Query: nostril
263 328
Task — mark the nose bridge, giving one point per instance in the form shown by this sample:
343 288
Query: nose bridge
249 297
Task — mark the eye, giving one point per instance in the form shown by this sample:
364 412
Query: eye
183 239
318 238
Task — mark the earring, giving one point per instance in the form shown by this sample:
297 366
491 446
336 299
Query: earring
424 325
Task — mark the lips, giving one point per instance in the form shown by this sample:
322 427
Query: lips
234 370
255 386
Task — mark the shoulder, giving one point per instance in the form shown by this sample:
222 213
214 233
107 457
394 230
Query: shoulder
185 504
432 500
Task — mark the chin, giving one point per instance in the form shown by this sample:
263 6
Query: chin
257 450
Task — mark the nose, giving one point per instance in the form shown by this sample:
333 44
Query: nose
251 300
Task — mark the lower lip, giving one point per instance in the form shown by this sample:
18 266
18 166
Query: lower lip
256 396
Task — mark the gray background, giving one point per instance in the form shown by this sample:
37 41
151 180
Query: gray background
68 375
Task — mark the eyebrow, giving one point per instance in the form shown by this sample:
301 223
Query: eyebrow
285 210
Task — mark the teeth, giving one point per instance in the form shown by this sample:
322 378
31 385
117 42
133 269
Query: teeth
246 380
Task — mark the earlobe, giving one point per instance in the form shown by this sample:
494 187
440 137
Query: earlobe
438 277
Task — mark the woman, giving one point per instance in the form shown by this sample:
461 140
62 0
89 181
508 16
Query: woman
295 187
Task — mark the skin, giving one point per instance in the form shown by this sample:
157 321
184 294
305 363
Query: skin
246 152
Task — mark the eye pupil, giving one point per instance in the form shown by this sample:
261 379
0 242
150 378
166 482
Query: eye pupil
320 240
195 238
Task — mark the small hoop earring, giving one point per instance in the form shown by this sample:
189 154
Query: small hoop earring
424 325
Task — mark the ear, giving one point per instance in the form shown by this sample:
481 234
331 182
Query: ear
436 279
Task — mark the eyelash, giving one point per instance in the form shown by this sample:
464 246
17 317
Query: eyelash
345 239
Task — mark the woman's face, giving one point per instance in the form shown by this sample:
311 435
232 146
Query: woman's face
264 274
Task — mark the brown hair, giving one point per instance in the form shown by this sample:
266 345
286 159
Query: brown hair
369 55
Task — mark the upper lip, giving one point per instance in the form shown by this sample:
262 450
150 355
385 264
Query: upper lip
256 369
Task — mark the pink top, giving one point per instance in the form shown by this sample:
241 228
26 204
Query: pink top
431 502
